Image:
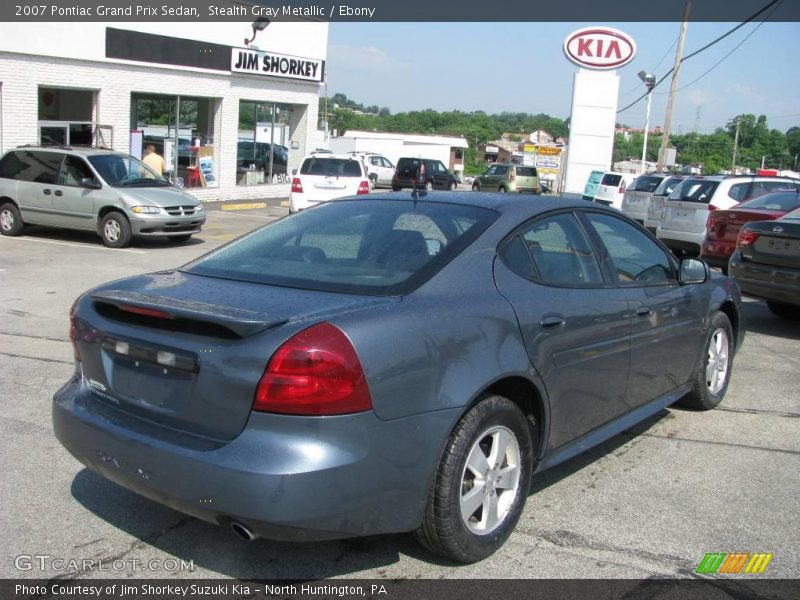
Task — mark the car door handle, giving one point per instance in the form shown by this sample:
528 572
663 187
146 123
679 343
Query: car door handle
549 321
46 192
643 311
58 193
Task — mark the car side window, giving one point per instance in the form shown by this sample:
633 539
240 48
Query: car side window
491 171
40 167
9 166
636 258
374 160
560 251
73 170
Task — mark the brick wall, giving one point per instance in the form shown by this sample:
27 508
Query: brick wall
22 75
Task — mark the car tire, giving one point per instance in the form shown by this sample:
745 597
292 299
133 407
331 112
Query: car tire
784 311
502 190
476 187
115 230
453 186
447 529
714 367
396 188
429 186
179 239
11 223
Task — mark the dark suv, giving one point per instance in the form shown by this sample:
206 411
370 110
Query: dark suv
426 173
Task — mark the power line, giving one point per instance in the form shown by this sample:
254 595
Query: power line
707 46
658 64
735 48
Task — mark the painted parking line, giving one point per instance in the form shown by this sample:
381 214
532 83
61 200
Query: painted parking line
88 247
244 206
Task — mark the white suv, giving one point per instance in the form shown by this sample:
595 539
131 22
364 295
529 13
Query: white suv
612 188
380 169
324 177
683 223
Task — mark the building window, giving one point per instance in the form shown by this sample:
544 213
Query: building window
459 153
264 146
181 129
66 116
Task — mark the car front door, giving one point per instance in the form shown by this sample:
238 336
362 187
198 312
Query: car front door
576 326
487 180
73 204
385 171
667 317
37 177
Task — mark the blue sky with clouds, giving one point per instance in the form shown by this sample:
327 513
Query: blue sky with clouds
520 67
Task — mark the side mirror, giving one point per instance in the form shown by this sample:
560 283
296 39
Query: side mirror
693 271
89 183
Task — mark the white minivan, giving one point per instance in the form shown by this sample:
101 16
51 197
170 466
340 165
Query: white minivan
612 188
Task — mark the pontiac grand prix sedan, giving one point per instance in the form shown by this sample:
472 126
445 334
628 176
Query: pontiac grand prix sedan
402 363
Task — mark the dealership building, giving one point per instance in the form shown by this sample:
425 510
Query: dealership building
232 107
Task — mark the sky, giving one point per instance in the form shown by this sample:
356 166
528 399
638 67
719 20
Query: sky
521 67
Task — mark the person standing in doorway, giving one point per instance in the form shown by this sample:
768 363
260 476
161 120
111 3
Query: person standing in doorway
154 160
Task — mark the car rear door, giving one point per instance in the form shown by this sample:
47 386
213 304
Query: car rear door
36 181
667 318
575 326
74 204
607 190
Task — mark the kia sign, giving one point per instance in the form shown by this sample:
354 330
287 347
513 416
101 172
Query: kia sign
599 48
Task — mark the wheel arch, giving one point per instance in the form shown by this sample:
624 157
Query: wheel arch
728 308
109 208
6 199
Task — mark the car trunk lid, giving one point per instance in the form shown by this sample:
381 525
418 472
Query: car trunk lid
726 224
778 244
188 365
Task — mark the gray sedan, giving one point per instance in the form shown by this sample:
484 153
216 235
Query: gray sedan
386 365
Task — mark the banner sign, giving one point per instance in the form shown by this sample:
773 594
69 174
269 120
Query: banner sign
257 62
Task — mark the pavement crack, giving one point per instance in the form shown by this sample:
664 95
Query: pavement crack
758 411
47 360
713 443
34 337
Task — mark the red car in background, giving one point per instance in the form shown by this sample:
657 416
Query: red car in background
723 226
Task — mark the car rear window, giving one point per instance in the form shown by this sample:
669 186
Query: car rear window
645 183
666 187
9 166
695 190
372 247
331 167
526 171
611 179
785 201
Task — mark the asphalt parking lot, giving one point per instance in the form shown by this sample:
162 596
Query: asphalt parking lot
648 503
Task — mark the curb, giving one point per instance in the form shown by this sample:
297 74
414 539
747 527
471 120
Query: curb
249 205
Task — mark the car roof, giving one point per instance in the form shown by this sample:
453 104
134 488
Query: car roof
327 155
80 150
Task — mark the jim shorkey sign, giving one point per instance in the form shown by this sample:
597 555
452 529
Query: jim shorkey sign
257 62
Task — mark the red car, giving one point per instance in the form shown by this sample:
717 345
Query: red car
722 228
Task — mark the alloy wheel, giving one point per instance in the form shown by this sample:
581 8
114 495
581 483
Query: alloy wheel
718 361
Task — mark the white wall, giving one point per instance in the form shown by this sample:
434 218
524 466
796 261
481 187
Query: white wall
591 133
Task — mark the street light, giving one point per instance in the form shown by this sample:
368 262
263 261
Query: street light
260 24
650 81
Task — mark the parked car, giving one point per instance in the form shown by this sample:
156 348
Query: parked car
380 169
425 173
766 263
683 224
655 207
112 194
256 155
636 199
324 176
590 190
723 226
508 178
383 365
612 188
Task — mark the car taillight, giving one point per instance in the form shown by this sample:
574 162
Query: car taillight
315 372
297 186
712 207
363 188
747 237
73 331
513 175
621 187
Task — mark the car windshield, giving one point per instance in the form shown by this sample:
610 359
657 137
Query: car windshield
785 201
666 187
373 247
121 170
695 190
331 167
645 183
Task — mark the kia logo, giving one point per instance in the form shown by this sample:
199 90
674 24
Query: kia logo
599 48
777 229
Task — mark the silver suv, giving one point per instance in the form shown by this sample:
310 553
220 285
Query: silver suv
110 193
683 223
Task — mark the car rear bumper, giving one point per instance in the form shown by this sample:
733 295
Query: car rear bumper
684 241
717 253
638 216
780 284
284 477
167 225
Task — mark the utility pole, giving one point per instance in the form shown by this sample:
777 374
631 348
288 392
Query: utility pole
662 155
735 145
